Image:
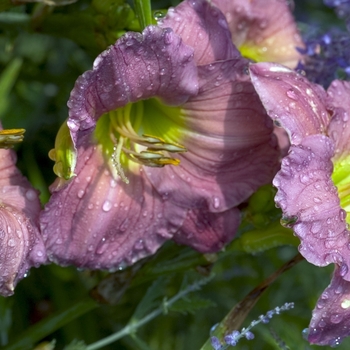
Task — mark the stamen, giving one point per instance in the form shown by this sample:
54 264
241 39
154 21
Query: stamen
122 128
9 137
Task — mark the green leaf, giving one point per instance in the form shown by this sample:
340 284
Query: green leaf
143 12
259 240
7 80
151 299
76 345
191 304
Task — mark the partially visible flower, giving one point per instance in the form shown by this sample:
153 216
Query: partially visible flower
21 245
172 112
263 30
314 181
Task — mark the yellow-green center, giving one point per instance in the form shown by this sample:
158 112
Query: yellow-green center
341 179
146 141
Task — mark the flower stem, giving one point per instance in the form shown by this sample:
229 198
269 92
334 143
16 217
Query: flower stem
143 12
133 326
50 324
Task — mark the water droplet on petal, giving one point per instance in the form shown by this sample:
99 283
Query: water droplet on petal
336 318
216 202
31 195
305 333
107 205
139 245
11 242
343 270
80 193
304 178
291 94
335 342
316 227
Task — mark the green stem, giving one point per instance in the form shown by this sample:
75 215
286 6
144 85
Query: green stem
132 327
143 12
50 324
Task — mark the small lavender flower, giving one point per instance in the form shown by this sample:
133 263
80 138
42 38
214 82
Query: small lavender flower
249 335
215 343
327 57
328 54
233 338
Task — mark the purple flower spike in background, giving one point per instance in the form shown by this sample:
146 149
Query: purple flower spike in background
313 183
170 137
21 244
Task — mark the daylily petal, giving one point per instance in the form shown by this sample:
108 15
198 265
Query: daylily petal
102 223
263 30
138 66
21 243
225 124
208 232
330 322
311 205
203 27
226 159
339 128
291 100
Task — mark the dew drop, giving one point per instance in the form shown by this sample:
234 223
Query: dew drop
316 227
291 94
335 342
304 178
157 15
342 215
80 193
336 318
113 183
11 242
139 245
31 195
102 247
322 323
107 205
305 333
216 202
343 270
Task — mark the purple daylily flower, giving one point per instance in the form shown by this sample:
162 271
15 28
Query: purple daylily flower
21 244
263 30
190 91
313 183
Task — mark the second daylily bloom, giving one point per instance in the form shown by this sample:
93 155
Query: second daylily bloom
170 138
21 244
263 30
313 183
